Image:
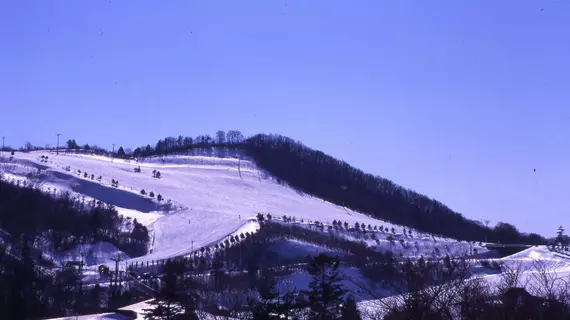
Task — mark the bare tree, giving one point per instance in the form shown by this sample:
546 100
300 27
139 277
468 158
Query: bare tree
544 281
220 137
511 277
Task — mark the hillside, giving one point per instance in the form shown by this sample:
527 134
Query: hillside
210 199
323 176
229 222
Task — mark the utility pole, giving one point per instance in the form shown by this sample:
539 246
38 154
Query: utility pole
57 147
239 166
3 138
83 254
113 153
117 259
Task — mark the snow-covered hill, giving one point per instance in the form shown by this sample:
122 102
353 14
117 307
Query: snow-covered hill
211 197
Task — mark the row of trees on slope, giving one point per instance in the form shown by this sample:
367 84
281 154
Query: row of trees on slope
168 145
180 143
321 175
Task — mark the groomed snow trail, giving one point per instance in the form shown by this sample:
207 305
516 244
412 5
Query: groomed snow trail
213 200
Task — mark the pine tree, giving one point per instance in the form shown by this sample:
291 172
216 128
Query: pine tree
71 144
350 310
166 304
263 306
121 152
326 294
561 238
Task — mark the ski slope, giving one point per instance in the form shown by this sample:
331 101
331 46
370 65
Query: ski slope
212 197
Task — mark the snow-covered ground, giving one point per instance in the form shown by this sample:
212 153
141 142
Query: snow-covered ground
212 197
539 271
537 263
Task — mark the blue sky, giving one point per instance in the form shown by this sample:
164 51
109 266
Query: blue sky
459 100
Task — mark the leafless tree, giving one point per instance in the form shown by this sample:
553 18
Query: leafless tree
511 277
545 281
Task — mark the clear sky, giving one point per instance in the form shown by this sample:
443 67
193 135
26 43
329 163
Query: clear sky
459 100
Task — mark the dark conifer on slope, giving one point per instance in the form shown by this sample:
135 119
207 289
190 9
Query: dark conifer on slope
350 310
326 293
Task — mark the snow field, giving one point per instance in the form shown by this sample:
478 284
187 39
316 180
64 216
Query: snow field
212 200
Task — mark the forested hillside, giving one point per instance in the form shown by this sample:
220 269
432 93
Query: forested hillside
321 175
64 221
31 285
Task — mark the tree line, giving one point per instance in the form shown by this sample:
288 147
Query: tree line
323 176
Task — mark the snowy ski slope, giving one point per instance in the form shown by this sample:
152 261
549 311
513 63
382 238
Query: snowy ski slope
211 198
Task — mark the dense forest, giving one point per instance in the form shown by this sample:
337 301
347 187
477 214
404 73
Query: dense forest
31 221
323 176
64 221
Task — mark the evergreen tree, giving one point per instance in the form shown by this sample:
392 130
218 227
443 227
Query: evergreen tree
166 305
326 294
121 152
263 306
350 310
561 237
71 144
